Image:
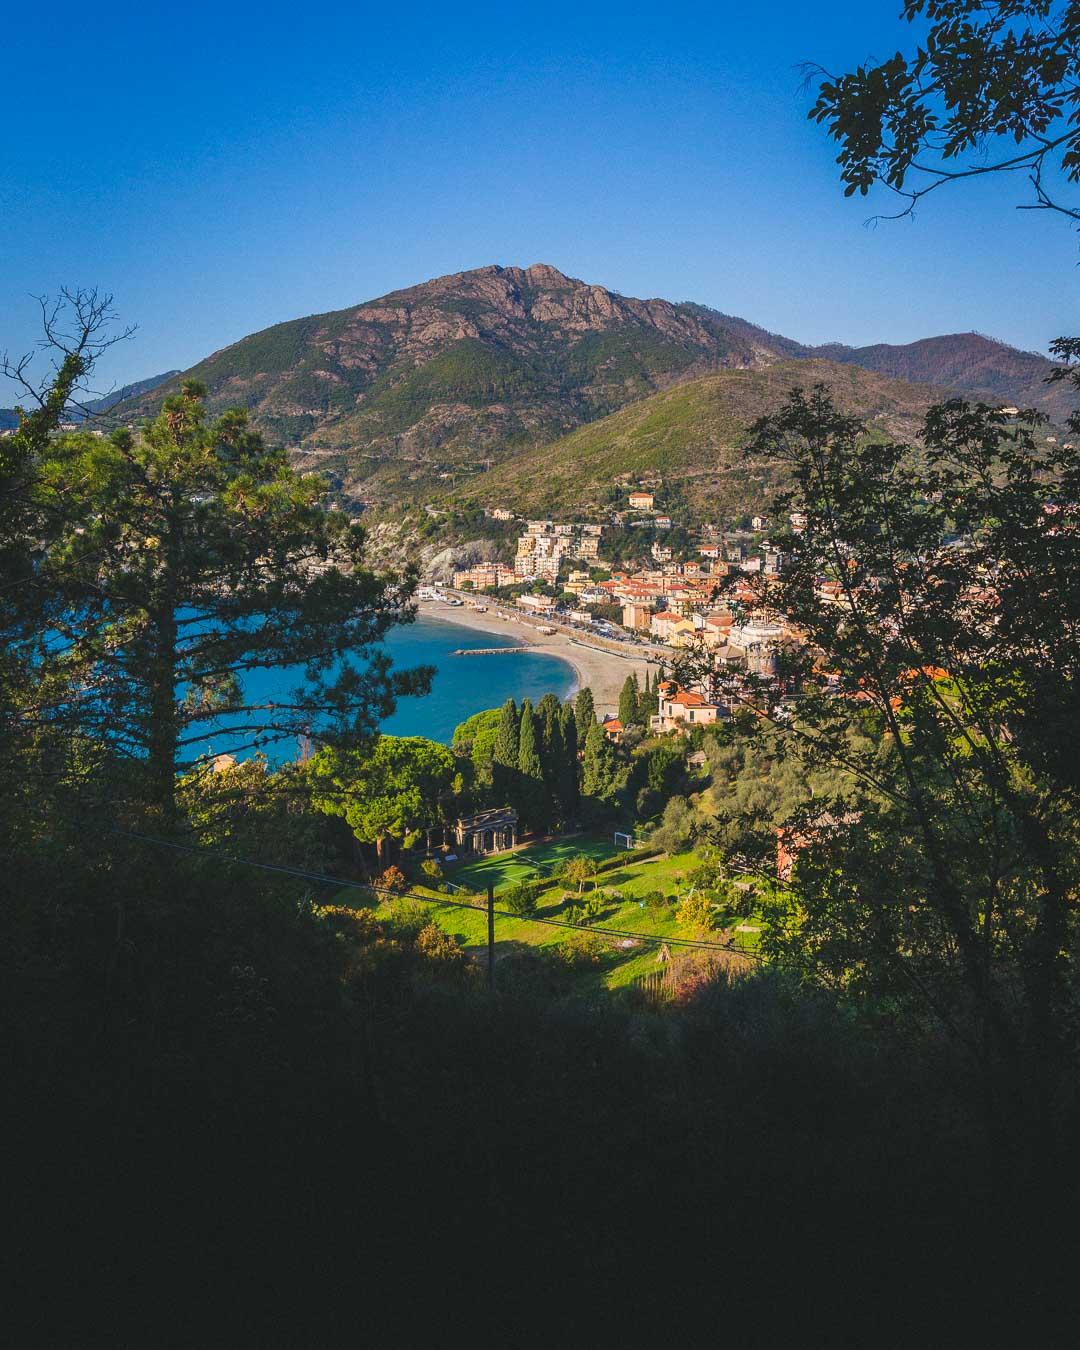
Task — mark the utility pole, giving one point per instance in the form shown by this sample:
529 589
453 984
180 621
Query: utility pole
491 936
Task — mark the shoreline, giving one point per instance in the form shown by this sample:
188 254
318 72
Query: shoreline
604 672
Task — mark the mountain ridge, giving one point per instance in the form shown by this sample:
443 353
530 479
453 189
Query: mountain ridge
461 367
970 362
450 377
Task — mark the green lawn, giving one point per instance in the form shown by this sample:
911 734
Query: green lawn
631 883
530 864
628 883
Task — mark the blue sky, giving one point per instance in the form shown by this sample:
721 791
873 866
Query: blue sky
221 168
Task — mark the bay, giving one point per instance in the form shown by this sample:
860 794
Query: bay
463 685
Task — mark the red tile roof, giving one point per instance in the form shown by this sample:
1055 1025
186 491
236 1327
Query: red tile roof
687 699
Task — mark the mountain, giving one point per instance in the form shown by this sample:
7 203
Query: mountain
692 437
445 376
966 363
441 382
9 418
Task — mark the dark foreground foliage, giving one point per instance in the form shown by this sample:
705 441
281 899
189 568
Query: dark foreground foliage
249 1119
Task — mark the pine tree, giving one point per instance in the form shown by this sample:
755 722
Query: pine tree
628 701
584 714
181 559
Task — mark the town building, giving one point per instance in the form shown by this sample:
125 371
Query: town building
546 543
716 628
587 546
594 595
612 728
540 554
537 604
642 501
759 640
484 575
577 582
637 617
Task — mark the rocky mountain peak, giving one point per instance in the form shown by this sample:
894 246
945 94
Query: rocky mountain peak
545 277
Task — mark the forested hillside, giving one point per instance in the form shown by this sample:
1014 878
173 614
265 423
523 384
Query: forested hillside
692 436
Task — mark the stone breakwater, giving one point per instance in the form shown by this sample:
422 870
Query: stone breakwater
494 651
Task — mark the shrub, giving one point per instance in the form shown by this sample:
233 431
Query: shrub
695 912
656 903
408 918
595 904
581 949
575 912
439 947
431 868
626 857
521 899
393 879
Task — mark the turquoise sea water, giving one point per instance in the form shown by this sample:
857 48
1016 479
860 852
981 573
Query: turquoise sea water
462 685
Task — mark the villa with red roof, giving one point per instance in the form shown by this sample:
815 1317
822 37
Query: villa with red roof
681 708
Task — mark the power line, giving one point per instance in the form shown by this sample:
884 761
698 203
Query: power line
343 884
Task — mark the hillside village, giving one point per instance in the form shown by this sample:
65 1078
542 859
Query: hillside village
688 592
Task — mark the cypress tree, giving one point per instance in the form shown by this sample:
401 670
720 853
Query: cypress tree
531 771
506 737
596 771
628 701
547 712
584 714
553 755
568 769
648 701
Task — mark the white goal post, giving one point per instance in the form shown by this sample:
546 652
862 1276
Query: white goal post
623 840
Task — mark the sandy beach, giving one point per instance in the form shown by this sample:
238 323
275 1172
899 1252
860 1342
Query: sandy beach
603 671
